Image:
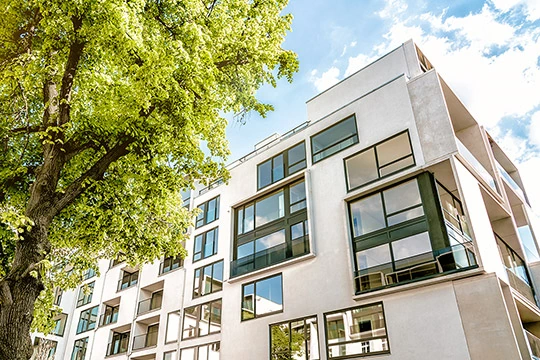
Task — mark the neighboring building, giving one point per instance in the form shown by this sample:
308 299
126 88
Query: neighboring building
389 224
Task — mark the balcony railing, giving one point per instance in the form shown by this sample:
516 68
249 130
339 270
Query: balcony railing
270 256
534 344
514 185
106 319
448 260
150 304
471 159
145 340
117 347
127 282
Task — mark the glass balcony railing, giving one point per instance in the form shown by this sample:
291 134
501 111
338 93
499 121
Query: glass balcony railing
270 256
150 304
471 159
421 266
106 319
118 346
145 340
534 344
506 176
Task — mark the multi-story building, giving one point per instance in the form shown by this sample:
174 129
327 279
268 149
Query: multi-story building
389 224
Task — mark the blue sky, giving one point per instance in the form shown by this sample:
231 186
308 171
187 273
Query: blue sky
487 51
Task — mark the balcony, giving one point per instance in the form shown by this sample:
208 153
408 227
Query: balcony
145 340
514 185
150 304
271 256
472 160
534 344
106 319
449 260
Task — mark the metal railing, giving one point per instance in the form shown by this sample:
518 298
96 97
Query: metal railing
513 184
471 159
150 304
270 256
145 340
447 260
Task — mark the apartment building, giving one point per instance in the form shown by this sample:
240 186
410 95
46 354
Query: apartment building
389 225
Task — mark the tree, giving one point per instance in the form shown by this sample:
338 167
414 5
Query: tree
106 108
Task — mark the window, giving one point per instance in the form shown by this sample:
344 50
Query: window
79 349
263 297
119 343
383 159
202 352
90 273
173 327
334 139
281 165
171 263
400 236
209 211
110 315
152 303
85 294
45 346
128 279
206 245
186 198
355 332
271 229
201 320
297 339
208 279
60 324
87 320
170 355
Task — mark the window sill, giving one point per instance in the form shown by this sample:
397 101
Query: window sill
170 271
271 268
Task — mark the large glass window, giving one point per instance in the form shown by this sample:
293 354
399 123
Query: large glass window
271 229
128 279
209 212
206 245
119 343
281 165
334 139
201 320
201 352
110 315
396 240
263 297
383 159
87 320
171 263
208 279
356 332
59 324
297 339
85 294
79 349
173 327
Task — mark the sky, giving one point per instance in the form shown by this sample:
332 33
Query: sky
487 51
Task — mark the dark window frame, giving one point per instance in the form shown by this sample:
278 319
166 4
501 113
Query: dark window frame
81 348
58 292
131 277
197 327
289 322
197 347
85 299
120 336
112 311
59 317
87 322
355 139
200 283
204 236
374 148
327 337
254 303
284 223
172 260
202 218
284 164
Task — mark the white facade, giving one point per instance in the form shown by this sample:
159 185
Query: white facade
403 233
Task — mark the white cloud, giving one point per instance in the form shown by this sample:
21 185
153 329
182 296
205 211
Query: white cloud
532 7
358 62
326 80
534 130
353 44
393 8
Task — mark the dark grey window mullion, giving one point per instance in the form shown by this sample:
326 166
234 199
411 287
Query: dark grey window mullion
403 210
287 225
393 162
389 243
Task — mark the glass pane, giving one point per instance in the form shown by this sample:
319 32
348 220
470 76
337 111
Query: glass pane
203 353
367 215
393 149
190 322
298 340
297 230
248 311
278 172
213 351
170 355
264 174
218 276
412 250
215 317
205 319
240 221
187 354
198 247
207 280
197 283
370 258
297 167
333 135
245 250
528 242
211 211
402 196
398 165
405 215
297 193
270 240
248 218
280 342
296 158
361 169
269 295
209 243
269 209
